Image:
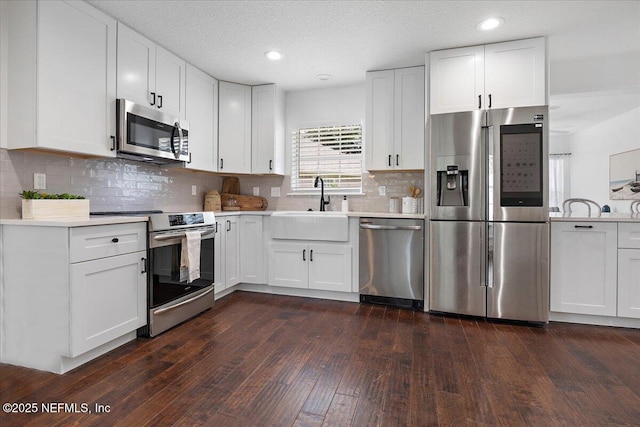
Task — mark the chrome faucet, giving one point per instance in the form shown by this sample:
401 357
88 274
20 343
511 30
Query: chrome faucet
323 203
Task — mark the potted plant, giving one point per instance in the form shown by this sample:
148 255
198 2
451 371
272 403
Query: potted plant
36 205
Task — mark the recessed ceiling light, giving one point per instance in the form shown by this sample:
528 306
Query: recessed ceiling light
490 24
324 76
273 55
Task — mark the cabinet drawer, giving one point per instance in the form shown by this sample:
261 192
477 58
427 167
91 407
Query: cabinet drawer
629 235
87 243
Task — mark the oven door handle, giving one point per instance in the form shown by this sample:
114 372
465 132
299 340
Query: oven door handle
176 236
185 302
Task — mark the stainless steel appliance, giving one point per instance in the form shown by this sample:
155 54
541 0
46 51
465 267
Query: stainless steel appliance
392 261
489 244
149 135
172 299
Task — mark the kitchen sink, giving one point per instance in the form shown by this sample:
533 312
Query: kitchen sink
310 225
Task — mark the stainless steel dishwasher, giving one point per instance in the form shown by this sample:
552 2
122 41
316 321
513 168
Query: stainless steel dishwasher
392 261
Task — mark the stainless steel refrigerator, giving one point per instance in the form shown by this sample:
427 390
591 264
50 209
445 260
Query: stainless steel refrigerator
489 214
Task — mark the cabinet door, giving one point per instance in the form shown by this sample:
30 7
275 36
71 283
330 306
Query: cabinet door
219 257
515 73
76 78
251 251
379 120
330 267
456 80
409 119
201 113
108 300
170 83
232 251
136 67
263 103
234 128
288 265
584 268
629 283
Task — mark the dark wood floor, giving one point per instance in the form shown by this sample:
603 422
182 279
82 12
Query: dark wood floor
270 360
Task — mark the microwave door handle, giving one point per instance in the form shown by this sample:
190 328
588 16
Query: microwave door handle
177 127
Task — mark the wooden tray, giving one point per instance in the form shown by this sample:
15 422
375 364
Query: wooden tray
245 203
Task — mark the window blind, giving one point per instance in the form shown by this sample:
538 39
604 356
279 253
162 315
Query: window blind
333 152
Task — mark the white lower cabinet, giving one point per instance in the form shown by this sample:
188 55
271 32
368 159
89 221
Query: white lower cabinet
310 266
584 267
108 299
227 253
629 283
629 270
251 250
71 294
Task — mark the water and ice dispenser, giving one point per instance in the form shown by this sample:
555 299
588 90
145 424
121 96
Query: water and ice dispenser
452 184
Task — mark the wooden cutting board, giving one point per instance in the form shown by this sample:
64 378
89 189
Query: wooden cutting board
245 203
230 185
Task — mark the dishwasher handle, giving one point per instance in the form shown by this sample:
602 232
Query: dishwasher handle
390 227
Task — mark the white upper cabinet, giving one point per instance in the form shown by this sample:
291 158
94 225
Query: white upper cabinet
515 73
267 130
234 128
456 79
394 124
61 77
500 75
202 115
150 75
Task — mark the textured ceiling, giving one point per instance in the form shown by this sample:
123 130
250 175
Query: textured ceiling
593 46
227 39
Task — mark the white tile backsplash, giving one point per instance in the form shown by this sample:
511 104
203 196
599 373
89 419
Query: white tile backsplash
109 184
117 184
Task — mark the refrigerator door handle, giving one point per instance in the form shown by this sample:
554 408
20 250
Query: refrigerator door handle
490 242
484 255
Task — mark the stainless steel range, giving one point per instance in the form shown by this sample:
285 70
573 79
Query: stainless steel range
177 289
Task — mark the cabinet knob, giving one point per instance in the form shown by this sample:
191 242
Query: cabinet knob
159 101
115 240
479 101
113 143
489 100
304 253
153 95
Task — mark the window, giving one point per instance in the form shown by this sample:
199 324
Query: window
334 153
558 179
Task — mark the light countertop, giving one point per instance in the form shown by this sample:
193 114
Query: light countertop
75 222
105 220
605 217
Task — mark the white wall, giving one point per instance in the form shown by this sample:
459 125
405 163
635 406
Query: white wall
322 107
590 151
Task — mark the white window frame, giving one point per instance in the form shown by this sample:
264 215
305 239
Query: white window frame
340 166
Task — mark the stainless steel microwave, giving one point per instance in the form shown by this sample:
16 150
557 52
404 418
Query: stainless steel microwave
145 134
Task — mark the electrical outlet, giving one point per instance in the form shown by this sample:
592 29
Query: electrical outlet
194 190
39 181
275 191
256 191
382 190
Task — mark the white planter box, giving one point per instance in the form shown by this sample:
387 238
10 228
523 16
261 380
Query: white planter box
54 208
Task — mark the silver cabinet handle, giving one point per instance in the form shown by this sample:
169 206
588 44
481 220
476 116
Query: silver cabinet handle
390 227
190 300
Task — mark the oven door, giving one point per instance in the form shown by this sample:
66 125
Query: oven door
172 301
